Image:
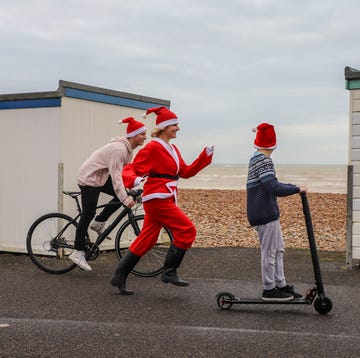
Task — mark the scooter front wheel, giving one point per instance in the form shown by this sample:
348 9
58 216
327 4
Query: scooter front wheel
323 305
223 300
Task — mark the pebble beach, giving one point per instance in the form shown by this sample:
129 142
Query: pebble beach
220 219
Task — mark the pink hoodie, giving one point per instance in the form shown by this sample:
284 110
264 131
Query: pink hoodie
105 161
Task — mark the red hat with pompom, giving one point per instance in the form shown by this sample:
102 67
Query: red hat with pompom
134 127
265 136
164 117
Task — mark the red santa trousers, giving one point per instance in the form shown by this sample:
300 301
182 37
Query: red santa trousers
161 213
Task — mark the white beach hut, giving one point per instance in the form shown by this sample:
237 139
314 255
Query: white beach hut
44 138
352 77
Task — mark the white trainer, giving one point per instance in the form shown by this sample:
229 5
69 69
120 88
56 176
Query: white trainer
98 226
78 257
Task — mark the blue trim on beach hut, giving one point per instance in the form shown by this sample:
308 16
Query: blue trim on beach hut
109 99
79 91
31 103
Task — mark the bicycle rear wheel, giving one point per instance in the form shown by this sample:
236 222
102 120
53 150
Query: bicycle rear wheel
50 241
151 264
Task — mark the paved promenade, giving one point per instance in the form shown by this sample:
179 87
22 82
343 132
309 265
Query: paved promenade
79 314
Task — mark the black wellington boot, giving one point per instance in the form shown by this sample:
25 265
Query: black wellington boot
126 264
172 261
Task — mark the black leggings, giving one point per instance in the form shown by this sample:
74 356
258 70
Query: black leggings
89 200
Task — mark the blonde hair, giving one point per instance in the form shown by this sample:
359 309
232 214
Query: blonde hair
156 132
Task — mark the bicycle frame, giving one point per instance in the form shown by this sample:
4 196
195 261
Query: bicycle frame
124 212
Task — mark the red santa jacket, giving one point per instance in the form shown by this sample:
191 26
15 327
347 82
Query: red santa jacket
163 164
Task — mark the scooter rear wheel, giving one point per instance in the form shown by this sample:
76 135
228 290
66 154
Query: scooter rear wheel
323 305
223 300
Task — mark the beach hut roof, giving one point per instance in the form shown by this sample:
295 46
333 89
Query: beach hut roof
352 78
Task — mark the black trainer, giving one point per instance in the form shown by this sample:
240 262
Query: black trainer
276 295
291 290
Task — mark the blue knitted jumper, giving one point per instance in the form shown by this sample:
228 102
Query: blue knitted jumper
262 190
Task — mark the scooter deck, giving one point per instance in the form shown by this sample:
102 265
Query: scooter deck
258 300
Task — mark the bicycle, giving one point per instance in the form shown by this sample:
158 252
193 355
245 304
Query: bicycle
50 240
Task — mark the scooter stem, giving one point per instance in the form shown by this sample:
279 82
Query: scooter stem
312 244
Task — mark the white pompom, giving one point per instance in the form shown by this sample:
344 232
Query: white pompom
144 115
119 121
254 129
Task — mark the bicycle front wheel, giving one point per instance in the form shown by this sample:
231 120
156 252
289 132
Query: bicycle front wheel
50 241
151 264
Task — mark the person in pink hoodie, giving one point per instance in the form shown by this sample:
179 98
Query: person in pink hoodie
102 172
162 165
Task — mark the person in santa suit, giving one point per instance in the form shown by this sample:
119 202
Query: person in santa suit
162 165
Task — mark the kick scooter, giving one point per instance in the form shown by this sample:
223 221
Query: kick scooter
316 295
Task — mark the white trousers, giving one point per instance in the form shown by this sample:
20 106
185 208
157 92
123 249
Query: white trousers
272 252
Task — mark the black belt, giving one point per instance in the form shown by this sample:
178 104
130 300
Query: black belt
167 176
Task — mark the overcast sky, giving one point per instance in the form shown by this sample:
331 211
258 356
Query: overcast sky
225 65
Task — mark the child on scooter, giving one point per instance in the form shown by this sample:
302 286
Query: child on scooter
262 189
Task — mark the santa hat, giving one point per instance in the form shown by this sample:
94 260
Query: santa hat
134 127
265 136
164 117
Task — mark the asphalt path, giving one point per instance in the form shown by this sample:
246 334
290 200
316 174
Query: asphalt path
79 314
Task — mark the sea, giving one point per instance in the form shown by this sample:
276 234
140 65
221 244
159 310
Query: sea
317 178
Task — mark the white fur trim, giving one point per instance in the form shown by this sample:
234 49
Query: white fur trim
172 192
138 180
137 131
169 122
270 148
